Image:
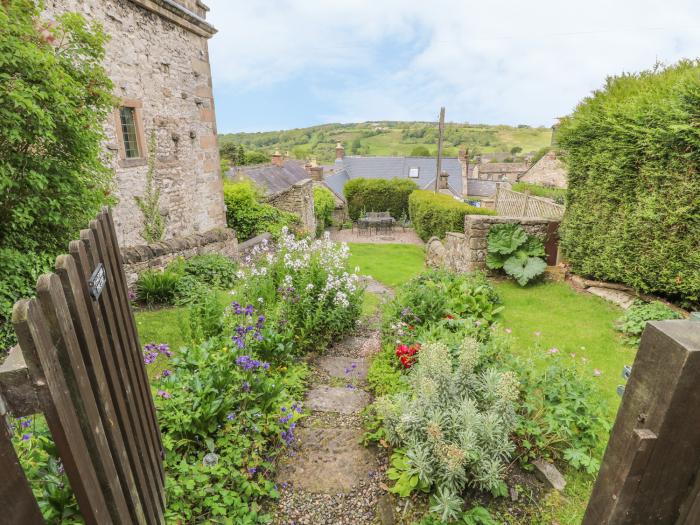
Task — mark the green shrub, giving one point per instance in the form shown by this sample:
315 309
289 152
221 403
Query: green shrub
558 195
452 426
633 203
560 422
211 269
52 180
324 204
635 318
435 214
515 252
18 280
363 195
248 216
155 288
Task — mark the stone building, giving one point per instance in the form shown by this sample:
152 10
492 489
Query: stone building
500 171
158 59
548 171
287 185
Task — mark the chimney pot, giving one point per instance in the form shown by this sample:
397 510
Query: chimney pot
317 173
339 151
277 158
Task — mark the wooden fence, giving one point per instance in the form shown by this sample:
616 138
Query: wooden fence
511 203
86 374
650 469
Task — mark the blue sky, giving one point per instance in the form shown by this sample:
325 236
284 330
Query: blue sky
280 64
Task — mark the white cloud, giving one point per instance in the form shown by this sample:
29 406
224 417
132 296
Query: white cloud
497 61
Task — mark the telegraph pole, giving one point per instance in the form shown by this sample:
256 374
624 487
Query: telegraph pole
441 130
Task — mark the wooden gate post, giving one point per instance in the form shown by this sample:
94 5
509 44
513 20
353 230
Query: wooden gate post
17 502
649 471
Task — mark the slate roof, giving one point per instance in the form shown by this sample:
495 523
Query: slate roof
355 167
481 188
271 177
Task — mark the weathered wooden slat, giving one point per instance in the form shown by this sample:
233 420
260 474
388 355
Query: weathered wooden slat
109 351
17 502
45 370
63 332
112 246
114 334
77 296
133 354
661 397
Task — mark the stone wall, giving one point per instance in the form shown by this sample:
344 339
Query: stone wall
157 256
466 252
158 59
299 199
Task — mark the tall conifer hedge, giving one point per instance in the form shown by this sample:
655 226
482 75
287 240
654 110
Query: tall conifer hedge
633 210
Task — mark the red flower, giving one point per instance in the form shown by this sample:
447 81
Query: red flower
449 316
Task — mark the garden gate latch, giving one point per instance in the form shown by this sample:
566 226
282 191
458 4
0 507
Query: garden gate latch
97 282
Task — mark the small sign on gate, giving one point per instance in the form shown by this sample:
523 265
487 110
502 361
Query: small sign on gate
97 281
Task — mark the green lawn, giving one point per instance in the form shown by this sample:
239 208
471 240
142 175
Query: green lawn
390 264
575 323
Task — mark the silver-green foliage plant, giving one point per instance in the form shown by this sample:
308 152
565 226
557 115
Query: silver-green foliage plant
454 422
518 254
149 204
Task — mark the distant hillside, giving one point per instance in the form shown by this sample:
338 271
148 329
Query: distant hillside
392 138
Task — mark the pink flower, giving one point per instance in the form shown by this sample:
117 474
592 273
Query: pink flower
508 330
553 350
597 372
538 333
163 394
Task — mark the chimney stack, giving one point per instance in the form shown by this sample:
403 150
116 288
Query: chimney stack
339 151
442 182
277 158
287 155
317 173
307 167
464 164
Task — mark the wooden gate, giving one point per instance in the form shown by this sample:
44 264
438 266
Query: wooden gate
86 375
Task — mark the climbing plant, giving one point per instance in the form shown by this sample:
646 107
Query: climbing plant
149 203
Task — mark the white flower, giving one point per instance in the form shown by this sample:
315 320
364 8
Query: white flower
309 287
261 300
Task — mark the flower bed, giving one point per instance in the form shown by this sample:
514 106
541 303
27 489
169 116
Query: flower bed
228 404
466 411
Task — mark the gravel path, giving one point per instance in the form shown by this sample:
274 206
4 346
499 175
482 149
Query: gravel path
333 479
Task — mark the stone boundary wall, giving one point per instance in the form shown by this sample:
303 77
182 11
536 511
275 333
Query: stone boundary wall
157 256
246 248
299 199
466 252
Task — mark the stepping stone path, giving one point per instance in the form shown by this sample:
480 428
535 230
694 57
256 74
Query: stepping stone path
332 479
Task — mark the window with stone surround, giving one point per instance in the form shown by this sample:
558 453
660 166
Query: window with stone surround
129 131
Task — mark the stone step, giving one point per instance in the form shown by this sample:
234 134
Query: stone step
344 400
328 460
344 367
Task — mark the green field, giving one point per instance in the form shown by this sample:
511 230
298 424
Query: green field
392 138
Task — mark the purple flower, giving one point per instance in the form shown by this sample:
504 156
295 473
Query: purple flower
25 437
231 416
27 423
167 373
252 470
246 386
283 409
249 309
60 468
163 394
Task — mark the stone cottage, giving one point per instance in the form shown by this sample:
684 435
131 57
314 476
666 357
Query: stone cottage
158 59
287 185
548 171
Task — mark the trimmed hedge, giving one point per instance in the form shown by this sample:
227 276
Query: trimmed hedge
435 214
633 203
378 195
248 216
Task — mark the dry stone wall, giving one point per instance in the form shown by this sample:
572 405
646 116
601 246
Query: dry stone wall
299 199
466 252
157 256
158 59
